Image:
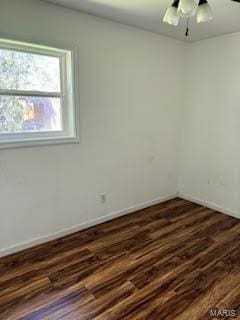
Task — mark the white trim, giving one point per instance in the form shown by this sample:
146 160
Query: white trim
210 205
29 47
67 96
54 44
85 225
59 140
25 93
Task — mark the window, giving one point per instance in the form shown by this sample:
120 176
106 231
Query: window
36 95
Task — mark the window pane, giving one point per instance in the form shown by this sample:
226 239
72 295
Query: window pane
28 71
29 114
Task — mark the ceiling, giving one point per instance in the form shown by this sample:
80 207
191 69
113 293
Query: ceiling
148 14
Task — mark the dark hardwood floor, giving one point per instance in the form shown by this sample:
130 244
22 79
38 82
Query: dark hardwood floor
175 260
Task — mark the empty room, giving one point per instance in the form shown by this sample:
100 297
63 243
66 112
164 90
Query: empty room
119 159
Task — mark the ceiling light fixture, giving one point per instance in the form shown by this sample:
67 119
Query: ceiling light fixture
187 9
204 12
171 16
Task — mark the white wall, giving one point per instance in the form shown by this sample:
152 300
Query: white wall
130 93
210 144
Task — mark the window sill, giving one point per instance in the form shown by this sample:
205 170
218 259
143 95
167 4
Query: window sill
37 142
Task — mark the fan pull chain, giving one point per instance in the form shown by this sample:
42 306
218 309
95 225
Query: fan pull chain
187 29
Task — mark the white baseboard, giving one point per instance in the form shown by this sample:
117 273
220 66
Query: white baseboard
210 205
82 226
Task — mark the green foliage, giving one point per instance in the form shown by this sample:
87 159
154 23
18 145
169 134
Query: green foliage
14 69
22 71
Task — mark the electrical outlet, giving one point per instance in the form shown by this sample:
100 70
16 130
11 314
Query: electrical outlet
103 197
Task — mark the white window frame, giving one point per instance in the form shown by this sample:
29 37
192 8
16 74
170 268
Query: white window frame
69 134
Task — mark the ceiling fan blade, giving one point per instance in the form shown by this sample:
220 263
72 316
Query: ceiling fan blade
236 1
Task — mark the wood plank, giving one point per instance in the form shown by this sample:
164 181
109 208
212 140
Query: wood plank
174 260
